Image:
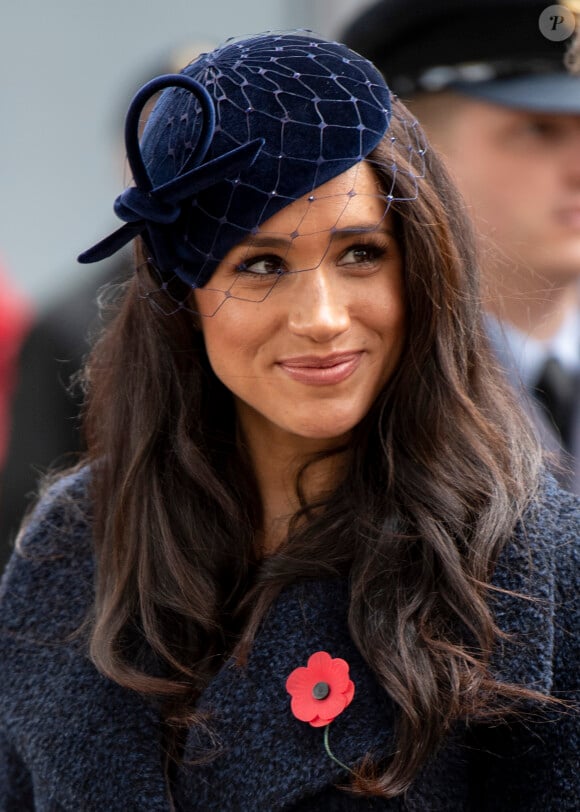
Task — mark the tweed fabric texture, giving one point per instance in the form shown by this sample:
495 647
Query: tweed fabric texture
72 740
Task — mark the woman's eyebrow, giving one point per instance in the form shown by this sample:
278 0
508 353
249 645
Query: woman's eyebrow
278 242
267 241
356 230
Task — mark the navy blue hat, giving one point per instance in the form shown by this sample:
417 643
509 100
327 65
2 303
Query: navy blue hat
490 49
242 132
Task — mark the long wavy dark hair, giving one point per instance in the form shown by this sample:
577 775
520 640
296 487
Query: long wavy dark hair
437 474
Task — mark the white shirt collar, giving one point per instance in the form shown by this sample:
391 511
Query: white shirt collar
528 354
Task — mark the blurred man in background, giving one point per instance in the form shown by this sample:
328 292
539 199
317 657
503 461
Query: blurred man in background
486 78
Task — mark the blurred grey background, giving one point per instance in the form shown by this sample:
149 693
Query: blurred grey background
68 70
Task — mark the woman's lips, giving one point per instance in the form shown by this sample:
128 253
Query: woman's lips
323 370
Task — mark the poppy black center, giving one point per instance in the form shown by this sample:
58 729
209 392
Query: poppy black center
321 690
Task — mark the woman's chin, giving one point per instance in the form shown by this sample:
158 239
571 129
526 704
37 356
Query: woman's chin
324 429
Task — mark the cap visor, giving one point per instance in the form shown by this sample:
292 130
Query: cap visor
548 93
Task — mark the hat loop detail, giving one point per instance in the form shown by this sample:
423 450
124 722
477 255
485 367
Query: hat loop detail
134 156
144 207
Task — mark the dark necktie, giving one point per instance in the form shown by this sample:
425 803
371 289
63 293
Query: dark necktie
557 391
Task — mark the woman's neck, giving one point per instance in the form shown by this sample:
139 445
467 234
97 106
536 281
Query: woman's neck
276 458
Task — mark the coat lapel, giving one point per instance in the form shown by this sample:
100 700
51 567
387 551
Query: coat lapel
268 759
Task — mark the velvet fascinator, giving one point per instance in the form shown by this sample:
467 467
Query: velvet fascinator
240 133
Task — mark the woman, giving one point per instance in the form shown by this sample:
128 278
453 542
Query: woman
308 501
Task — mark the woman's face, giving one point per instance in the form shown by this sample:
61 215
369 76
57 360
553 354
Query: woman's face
313 324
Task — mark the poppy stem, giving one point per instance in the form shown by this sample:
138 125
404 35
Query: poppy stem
330 754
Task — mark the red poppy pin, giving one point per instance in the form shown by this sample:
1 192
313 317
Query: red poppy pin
320 692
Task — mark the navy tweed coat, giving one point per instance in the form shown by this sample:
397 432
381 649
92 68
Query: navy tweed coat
72 740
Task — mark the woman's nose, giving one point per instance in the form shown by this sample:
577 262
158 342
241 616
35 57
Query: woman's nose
318 308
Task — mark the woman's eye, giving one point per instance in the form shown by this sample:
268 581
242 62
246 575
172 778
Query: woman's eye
362 255
262 266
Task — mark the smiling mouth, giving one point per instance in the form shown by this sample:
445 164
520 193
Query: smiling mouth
321 371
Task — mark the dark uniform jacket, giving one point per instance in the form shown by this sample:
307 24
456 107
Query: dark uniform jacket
70 739
566 459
